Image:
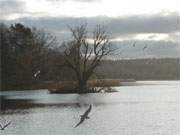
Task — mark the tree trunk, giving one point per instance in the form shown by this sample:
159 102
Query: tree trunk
82 87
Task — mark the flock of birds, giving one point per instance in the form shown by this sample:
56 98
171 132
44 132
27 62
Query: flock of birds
145 47
83 116
134 45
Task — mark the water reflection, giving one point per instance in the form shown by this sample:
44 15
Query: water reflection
23 104
134 110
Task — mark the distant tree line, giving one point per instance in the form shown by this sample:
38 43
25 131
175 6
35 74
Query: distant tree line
30 56
141 69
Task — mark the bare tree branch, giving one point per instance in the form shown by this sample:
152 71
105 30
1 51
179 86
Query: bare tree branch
83 57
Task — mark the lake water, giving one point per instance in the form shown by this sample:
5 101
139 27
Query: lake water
146 108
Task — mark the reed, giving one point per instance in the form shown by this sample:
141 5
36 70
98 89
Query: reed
71 86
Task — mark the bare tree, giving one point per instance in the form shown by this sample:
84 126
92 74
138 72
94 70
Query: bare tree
84 53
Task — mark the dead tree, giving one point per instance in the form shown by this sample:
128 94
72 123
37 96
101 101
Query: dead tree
84 53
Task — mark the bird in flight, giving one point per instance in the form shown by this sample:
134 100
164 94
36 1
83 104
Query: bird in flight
134 44
2 127
144 47
84 116
37 73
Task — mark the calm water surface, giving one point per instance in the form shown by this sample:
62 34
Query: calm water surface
147 108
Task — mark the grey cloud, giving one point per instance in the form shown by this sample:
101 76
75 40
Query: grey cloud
11 6
145 24
127 28
116 26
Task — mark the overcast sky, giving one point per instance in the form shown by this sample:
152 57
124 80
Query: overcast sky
152 23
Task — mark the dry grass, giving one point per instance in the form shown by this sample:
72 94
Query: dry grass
104 83
69 86
61 85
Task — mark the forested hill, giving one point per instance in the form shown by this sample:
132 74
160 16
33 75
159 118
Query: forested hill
141 69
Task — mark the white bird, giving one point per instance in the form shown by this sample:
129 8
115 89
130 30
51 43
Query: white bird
37 73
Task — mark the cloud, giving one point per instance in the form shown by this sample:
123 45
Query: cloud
118 27
145 24
11 6
175 36
127 28
73 0
131 24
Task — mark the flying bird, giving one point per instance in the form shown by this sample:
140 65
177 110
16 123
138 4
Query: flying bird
2 127
84 116
134 44
144 47
37 73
